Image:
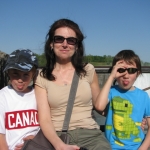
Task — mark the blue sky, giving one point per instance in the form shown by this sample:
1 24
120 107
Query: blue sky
108 25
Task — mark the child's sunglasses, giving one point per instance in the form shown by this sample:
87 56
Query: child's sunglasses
130 70
70 40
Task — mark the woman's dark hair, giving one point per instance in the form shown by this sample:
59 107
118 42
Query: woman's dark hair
77 58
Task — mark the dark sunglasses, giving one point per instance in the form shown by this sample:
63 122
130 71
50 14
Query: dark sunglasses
130 70
70 40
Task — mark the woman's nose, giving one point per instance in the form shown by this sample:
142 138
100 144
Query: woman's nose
64 43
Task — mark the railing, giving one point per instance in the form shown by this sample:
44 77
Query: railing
102 72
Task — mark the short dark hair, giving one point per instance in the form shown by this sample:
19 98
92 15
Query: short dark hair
77 58
128 56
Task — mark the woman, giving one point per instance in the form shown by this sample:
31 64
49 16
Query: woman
64 53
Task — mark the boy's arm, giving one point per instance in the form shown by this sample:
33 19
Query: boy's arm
146 142
102 98
3 143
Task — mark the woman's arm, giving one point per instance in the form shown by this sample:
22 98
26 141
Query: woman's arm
3 143
146 142
45 117
95 88
46 123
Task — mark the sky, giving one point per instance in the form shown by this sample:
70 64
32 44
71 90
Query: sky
108 25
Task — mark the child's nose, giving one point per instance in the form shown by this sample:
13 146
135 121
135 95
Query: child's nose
127 74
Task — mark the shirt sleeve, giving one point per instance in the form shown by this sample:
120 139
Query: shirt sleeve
40 81
2 113
147 109
90 72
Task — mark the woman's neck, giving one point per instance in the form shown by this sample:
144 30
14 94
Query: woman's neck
63 67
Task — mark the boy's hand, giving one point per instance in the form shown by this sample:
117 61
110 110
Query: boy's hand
143 124
28 137
19 146
114 73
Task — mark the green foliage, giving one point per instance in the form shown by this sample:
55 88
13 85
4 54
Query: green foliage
41 60
146 64
99 60
105 60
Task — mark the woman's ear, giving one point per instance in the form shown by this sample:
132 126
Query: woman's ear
76 47
51 45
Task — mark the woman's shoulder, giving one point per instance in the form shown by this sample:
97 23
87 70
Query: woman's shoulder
39 77
39 73
89 67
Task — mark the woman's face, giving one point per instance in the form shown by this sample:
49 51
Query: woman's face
64 50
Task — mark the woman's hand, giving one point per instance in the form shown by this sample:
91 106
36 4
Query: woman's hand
67 147
72 147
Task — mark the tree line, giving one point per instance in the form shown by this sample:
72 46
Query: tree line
105 60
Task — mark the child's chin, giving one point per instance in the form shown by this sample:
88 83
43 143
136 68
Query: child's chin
21 90
126 87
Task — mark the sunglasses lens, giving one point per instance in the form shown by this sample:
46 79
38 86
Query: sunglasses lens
132 70
59 39
72 41
121 70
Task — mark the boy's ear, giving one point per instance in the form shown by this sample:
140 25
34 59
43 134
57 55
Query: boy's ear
7 73
35 75
138 73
